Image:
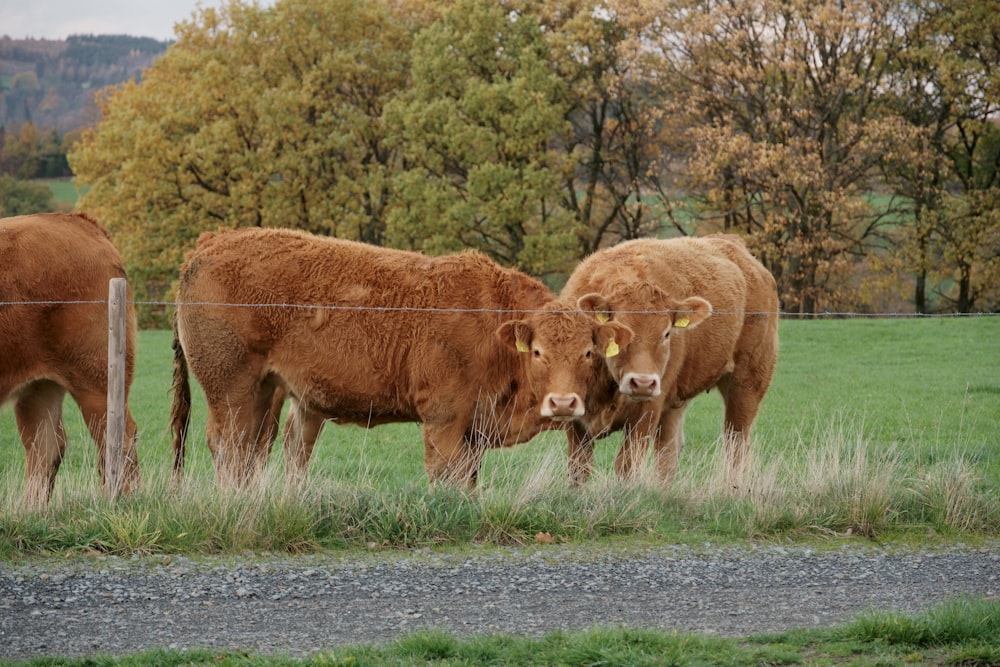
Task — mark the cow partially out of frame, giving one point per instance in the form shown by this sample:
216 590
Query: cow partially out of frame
55 271
354 333
703 314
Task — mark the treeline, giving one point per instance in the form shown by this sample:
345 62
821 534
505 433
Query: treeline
51 83
853 144
31 153
111 50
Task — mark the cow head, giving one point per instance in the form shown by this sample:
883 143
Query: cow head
655 319
559 346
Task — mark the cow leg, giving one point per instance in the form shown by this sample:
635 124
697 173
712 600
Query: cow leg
240 432
266 413
274 417
233 451
743 391
38 412
667 451
580 446
230 443
302 428
741 407
637 439
213 437
93 405
448 455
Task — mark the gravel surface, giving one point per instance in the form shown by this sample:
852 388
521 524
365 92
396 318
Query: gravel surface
300 605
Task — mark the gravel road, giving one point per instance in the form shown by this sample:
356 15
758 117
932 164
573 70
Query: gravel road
300 605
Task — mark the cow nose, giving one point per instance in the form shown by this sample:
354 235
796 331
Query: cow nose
641 385
562 406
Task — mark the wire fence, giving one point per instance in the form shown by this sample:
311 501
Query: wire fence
417 309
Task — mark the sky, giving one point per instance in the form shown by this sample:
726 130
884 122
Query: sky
57 19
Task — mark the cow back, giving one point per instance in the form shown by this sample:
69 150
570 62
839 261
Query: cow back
363 333
54 278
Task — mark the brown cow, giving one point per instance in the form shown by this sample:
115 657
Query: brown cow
54 276
365 335
703 313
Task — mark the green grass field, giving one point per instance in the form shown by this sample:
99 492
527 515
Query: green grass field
64 192
873 427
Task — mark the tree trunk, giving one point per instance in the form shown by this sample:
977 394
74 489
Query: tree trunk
920 293
964 304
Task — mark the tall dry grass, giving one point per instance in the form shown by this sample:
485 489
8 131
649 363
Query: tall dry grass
827 480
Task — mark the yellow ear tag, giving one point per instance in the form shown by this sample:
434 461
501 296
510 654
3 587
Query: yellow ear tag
613 348
602 318
521 347
682 322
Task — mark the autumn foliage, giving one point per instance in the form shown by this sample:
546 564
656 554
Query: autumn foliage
854 144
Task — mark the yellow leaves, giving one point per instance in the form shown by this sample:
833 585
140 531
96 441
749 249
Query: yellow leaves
788 137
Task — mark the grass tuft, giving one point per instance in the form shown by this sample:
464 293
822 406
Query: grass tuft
958 621
833 482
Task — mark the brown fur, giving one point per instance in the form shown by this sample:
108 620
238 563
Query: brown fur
49 349
730 342
377 336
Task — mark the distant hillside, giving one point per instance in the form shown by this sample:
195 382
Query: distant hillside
52 83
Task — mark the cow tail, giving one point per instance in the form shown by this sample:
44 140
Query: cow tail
180 412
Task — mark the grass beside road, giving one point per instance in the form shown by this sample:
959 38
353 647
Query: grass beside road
874 428
960 632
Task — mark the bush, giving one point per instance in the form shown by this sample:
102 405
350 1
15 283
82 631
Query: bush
22 198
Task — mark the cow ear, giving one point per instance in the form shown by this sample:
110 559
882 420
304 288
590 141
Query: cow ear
610 338
516 335
597 304
691 312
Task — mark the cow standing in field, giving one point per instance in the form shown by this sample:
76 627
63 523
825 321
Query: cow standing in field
359 334
703 313
55 271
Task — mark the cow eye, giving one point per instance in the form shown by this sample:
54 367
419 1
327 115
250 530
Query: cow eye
538 352
666 334
589 352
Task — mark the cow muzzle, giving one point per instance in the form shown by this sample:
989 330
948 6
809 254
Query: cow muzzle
562 407
640 386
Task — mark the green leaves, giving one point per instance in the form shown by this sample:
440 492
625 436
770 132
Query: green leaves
474 127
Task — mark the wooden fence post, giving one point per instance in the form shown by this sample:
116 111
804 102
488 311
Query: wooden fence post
115 437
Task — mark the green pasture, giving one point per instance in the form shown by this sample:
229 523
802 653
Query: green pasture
64 192
879 428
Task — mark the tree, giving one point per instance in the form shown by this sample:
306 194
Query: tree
614 117
475 130
22 197
255 116
948 88
30 153
782 101
970 33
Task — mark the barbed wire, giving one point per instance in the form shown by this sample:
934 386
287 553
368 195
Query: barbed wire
418 309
